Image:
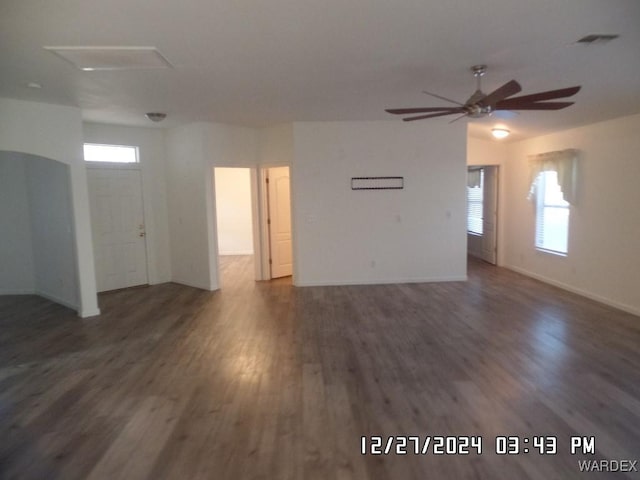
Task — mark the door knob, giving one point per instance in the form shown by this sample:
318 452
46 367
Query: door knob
141 234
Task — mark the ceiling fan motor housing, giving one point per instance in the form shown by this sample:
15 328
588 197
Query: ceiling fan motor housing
473 107
477 111
479 70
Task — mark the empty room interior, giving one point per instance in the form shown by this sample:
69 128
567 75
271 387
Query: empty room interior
335 240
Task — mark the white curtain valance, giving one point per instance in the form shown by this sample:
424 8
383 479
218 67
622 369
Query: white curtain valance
564 163
473 177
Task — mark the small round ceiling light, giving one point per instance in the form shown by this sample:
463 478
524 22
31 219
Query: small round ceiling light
500 132
156 116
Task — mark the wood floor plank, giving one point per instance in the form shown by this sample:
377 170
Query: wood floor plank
263 381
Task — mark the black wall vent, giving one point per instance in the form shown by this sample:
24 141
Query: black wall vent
596 39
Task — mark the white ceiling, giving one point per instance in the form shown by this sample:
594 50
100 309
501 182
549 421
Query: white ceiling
256 63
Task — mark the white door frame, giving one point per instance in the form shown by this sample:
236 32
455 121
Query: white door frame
499 210
266 255
263 222
263 269
492 185
259 216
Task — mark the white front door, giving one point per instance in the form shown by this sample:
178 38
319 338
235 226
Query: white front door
117 222
279 199
489 215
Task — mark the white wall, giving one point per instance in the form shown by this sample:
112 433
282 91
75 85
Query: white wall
486 152
233 211
55 132
193 151
37 254
604 230
275 145
190 220
417 234
151 149
16 250
275 148
356 237
230 146
55 270
227 146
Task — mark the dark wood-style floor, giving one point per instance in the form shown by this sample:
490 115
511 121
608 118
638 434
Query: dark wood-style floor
266 381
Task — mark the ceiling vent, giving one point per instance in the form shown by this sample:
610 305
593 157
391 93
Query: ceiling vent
156 116
111 58
596 39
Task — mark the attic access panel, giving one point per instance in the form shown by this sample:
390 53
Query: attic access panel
111 58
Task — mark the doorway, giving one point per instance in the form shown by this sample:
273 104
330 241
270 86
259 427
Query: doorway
482 212
118 227
253 223
234 224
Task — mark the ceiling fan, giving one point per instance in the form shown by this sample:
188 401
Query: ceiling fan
480 104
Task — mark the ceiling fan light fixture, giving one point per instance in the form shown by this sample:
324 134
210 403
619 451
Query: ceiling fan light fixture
500 132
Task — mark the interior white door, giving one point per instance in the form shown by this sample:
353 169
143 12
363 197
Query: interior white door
490 215
279 201
117 222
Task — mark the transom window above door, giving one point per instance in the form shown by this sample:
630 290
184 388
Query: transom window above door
110 153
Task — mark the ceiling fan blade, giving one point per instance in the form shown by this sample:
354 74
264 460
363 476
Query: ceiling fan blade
458 118
443 98
510 88
404 111
513 105
549 95
420 117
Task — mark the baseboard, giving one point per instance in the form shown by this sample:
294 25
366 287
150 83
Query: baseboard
160 280
89 313
584 293
187 283
57 299
18 291
337 283
51 298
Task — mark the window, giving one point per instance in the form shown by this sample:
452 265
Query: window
110 153
552 215
474 203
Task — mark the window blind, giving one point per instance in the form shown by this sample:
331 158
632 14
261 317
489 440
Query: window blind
474 201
